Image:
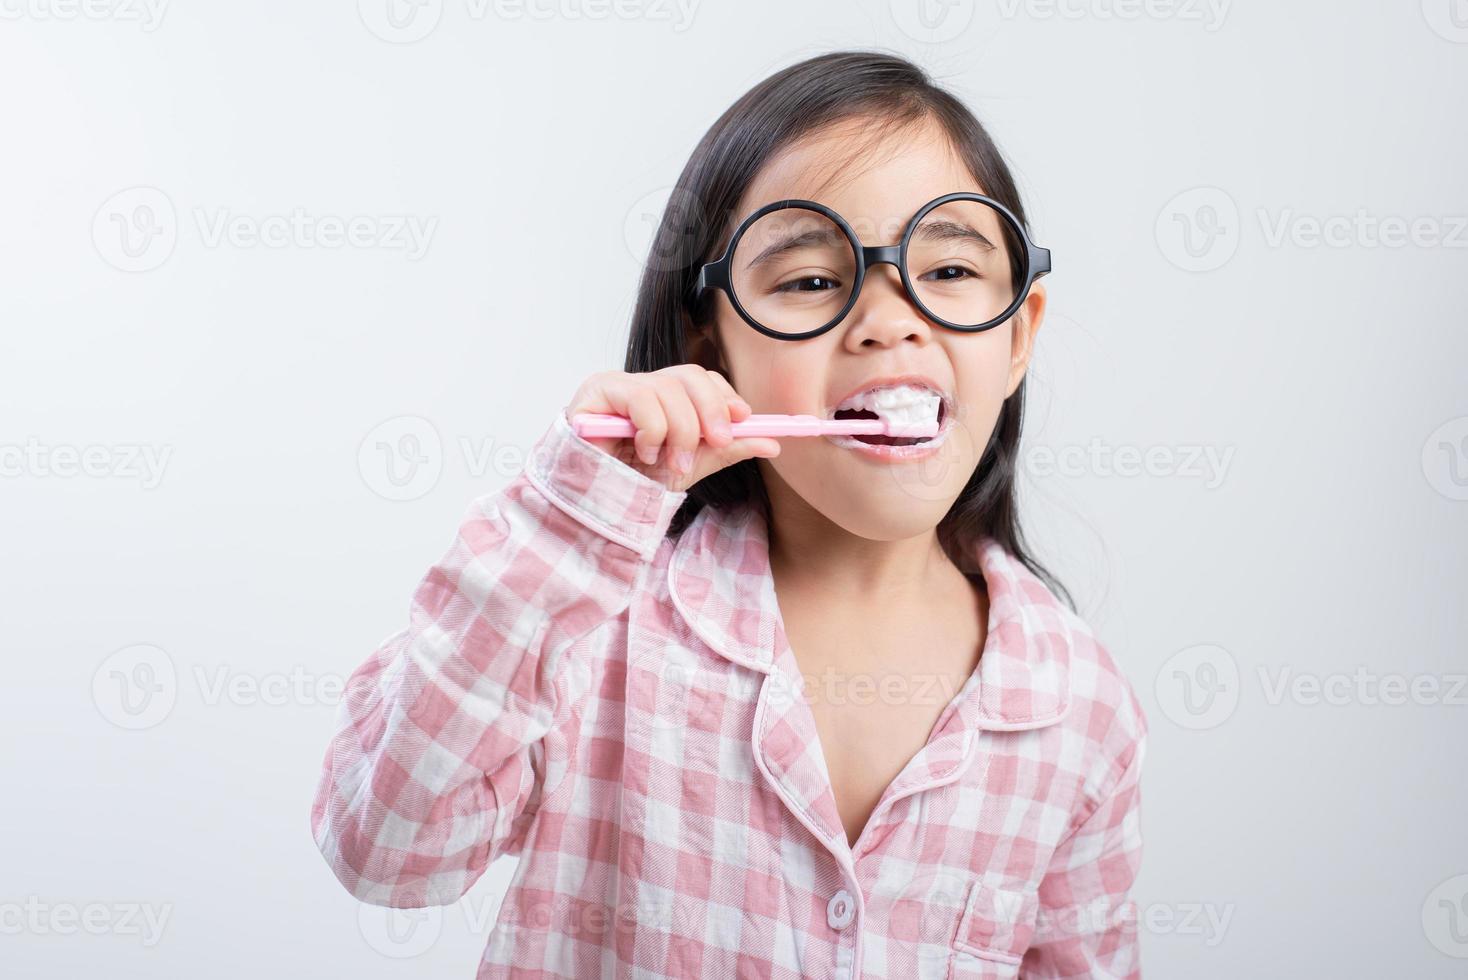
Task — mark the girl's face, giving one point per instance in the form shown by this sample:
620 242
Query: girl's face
878 493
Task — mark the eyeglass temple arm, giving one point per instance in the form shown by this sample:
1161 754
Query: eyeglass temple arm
1039 260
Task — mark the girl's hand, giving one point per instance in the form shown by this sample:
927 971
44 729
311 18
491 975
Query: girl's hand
683 411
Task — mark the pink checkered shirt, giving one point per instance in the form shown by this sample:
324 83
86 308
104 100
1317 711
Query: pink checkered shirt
622 711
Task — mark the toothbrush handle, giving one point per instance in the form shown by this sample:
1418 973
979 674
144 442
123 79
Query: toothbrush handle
595 425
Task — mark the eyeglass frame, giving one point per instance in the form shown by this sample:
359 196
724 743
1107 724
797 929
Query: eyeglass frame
715 274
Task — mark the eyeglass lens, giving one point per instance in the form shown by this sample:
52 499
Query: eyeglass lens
793 269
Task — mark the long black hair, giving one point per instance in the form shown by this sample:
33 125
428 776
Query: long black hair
699 217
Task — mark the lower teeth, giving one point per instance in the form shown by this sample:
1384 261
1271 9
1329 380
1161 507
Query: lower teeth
889 440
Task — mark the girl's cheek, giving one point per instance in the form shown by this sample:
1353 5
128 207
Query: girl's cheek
781 376
796 391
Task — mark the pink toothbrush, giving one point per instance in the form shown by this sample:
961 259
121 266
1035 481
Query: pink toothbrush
594 425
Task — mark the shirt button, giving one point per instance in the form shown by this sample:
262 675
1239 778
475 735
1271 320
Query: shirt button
840 910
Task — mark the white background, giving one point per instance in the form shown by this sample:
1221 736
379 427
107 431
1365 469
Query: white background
1290 830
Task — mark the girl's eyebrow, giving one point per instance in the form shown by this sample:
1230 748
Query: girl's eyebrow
814 236
942 230
945 230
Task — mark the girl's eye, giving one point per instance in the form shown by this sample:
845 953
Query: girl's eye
808 284
949 273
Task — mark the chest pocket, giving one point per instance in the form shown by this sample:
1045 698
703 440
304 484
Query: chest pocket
993 932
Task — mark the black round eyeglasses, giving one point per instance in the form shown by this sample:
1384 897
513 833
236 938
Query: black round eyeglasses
795 268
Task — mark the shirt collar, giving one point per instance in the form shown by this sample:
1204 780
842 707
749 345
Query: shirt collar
720 582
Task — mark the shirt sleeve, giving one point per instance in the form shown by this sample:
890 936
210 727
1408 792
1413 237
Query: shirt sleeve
436 750
1087 922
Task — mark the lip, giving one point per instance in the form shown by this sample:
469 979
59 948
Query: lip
897 454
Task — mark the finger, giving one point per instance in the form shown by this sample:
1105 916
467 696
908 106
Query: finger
739 409
712 405
645 409
683 430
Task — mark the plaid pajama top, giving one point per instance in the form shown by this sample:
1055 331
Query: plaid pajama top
622 711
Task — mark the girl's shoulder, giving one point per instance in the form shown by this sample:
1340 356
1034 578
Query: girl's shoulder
1054 637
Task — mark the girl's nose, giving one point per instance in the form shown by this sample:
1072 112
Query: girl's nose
884 315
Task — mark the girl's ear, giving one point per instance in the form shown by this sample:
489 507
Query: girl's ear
702 345
1024 326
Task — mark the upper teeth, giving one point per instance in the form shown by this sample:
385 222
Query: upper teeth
905 404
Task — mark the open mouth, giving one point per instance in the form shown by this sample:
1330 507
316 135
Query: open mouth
900 403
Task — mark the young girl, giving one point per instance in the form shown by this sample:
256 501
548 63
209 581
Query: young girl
759 707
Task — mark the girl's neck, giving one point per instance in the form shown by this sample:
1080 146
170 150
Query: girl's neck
811 554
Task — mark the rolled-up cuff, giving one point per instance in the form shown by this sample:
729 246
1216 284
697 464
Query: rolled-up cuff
601 491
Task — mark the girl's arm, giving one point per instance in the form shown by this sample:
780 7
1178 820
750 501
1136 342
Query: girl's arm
435 751
1087 924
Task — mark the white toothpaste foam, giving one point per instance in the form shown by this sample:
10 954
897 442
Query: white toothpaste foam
903 405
